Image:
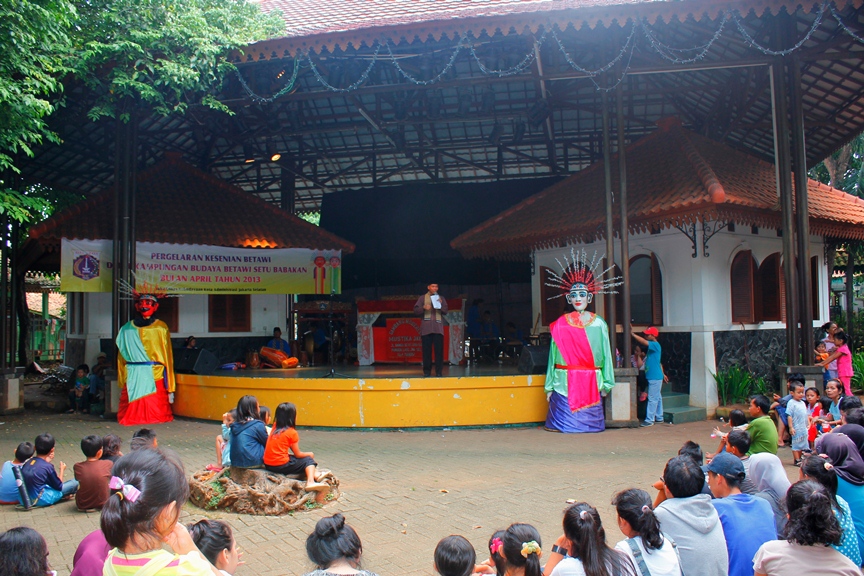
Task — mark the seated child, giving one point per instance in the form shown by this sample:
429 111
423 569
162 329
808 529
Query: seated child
496 562
143 438
79 396
738 421
284 441
90 555
215 540
93 475
148 491
455 556
8 485
265 417
223 443
44 486
111 445
821 352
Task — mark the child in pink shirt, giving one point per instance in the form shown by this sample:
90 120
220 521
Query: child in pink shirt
844 360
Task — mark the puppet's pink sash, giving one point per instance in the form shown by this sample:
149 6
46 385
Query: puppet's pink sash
573 343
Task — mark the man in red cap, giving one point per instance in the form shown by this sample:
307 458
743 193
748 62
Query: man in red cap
654 374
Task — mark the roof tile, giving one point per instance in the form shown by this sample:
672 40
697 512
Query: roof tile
674 176
179 204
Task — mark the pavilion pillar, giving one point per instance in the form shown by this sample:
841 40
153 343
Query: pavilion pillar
783 167
610 232
802 214
624 231
4 293
288 202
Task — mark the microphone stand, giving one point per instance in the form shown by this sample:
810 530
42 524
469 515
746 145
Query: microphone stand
331 352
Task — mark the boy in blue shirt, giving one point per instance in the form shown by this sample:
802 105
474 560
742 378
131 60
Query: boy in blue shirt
654 375
8 485
43 484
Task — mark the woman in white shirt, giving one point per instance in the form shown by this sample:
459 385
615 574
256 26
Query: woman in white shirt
652 553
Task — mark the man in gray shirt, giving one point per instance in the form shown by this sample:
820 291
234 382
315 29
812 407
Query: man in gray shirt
432 307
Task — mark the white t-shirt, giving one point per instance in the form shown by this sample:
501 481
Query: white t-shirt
782 558
662 562
568 566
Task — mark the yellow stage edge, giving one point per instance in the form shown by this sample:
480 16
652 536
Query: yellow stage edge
402 402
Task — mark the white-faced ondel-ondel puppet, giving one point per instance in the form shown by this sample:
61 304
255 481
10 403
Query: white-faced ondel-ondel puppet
145 365
581 364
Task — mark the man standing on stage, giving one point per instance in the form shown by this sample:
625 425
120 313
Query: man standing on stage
432 307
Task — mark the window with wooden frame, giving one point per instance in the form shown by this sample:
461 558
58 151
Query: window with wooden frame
229 313
742 276
169 313
770 292
646 291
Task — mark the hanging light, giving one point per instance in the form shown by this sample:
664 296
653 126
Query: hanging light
495 135
518 131
248 154
273 152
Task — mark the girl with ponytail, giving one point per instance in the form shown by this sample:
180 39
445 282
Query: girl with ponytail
582 549
651 552
810 532
521 550
334 547
147 490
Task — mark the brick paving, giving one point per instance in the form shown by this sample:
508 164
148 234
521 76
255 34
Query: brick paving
402 490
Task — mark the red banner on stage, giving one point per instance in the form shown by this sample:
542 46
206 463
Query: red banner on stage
399 341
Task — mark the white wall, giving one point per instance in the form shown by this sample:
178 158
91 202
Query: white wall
268 310
697 292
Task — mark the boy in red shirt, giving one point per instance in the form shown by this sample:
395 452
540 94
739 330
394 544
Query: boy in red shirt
93 475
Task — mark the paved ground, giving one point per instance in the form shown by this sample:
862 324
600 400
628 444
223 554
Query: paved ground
403 491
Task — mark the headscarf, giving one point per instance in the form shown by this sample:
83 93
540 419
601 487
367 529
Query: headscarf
855 433
843 452
768 474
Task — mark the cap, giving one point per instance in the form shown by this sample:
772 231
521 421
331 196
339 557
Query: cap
651 331
101 355
727 465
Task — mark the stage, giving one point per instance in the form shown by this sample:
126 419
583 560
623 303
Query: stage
377 396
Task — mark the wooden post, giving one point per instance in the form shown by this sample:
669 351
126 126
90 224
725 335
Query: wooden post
624 231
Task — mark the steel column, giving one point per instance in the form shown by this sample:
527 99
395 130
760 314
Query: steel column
624 230
784 183
802 213
610 232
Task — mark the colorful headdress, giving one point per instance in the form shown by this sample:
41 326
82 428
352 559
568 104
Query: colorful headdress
146 286
577 270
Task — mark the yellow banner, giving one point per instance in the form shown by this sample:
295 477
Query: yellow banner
86 266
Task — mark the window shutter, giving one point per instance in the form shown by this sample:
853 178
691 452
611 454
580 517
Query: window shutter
239 313
771 291
656 293
782 289
741 277
168 313
217 313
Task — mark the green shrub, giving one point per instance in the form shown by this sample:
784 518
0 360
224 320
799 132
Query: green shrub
858 367
736 385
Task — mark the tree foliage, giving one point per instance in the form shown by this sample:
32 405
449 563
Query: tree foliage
164 54
34 47
844 169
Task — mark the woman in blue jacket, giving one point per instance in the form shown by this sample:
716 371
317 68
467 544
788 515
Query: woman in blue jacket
248 435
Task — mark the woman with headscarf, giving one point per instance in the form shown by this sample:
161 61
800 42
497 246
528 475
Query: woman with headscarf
769 476
849 467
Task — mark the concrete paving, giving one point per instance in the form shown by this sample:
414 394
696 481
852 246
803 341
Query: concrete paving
403 490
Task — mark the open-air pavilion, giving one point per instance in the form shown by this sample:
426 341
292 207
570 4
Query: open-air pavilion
394 93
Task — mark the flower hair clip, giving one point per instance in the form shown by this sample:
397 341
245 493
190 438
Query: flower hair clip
529 548
124 490
646 509
496 545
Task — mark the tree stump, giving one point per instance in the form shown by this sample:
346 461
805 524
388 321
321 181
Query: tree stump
258 492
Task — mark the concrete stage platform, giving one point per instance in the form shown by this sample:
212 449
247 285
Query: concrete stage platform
378 396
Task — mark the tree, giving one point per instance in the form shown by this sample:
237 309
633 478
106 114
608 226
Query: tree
33 50
165 55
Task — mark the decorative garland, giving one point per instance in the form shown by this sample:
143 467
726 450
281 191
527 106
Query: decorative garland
669 53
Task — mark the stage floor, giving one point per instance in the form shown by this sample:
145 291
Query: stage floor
376 371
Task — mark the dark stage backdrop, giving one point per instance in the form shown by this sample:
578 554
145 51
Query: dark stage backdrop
403 234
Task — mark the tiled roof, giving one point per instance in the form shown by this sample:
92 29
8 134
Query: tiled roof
179 204
674 177
327 24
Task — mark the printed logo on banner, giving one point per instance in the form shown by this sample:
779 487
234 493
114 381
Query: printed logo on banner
85 265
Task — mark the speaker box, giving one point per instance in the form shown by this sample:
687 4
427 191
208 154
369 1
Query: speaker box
534 359
194 361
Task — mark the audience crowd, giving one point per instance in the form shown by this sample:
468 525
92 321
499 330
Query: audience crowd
734 512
